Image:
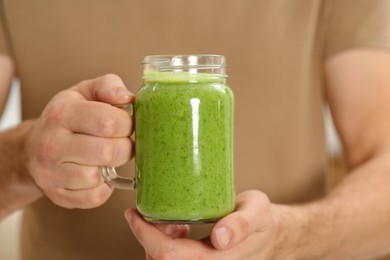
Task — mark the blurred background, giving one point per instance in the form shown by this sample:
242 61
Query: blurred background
9 227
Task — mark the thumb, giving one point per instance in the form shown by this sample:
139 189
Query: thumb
108 88
252 215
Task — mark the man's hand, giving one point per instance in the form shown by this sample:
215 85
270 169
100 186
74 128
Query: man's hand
79 131
244 234
351 222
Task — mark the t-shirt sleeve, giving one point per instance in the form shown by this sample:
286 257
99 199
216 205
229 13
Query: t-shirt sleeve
357 24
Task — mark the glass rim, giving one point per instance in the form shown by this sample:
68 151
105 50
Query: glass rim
185 61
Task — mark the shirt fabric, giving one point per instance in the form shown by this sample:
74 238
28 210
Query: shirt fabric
275 51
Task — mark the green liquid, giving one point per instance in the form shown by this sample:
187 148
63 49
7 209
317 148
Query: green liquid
184 147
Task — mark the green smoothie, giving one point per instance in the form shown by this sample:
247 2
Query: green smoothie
184 147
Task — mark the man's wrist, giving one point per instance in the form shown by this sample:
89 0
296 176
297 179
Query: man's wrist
298 234
15 141
18 187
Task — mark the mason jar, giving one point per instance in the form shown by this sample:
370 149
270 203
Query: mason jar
184 139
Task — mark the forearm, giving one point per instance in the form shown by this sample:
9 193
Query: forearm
352 222
17 188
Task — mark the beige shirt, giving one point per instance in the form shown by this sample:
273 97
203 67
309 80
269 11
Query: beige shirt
275 50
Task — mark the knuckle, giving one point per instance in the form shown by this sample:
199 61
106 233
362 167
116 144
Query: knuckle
107 153
90 176
81 83
263 197
263 202
256 193
109 78
94 176
264 208
55 113
257 197
108 126
244 224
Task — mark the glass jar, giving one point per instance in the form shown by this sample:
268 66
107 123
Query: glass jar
184 139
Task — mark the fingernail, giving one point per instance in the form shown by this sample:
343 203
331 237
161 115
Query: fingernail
122 95
122 92
223 236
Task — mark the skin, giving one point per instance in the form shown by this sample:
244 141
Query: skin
60 153
351 222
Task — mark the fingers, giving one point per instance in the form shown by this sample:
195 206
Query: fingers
144 231
108 88
78 177
87 150
69 111
80 130
90 150
253 214
159 245
97 119
76 186
82 199
248 231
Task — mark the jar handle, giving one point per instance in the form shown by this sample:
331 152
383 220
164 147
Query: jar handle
112 178
109 173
